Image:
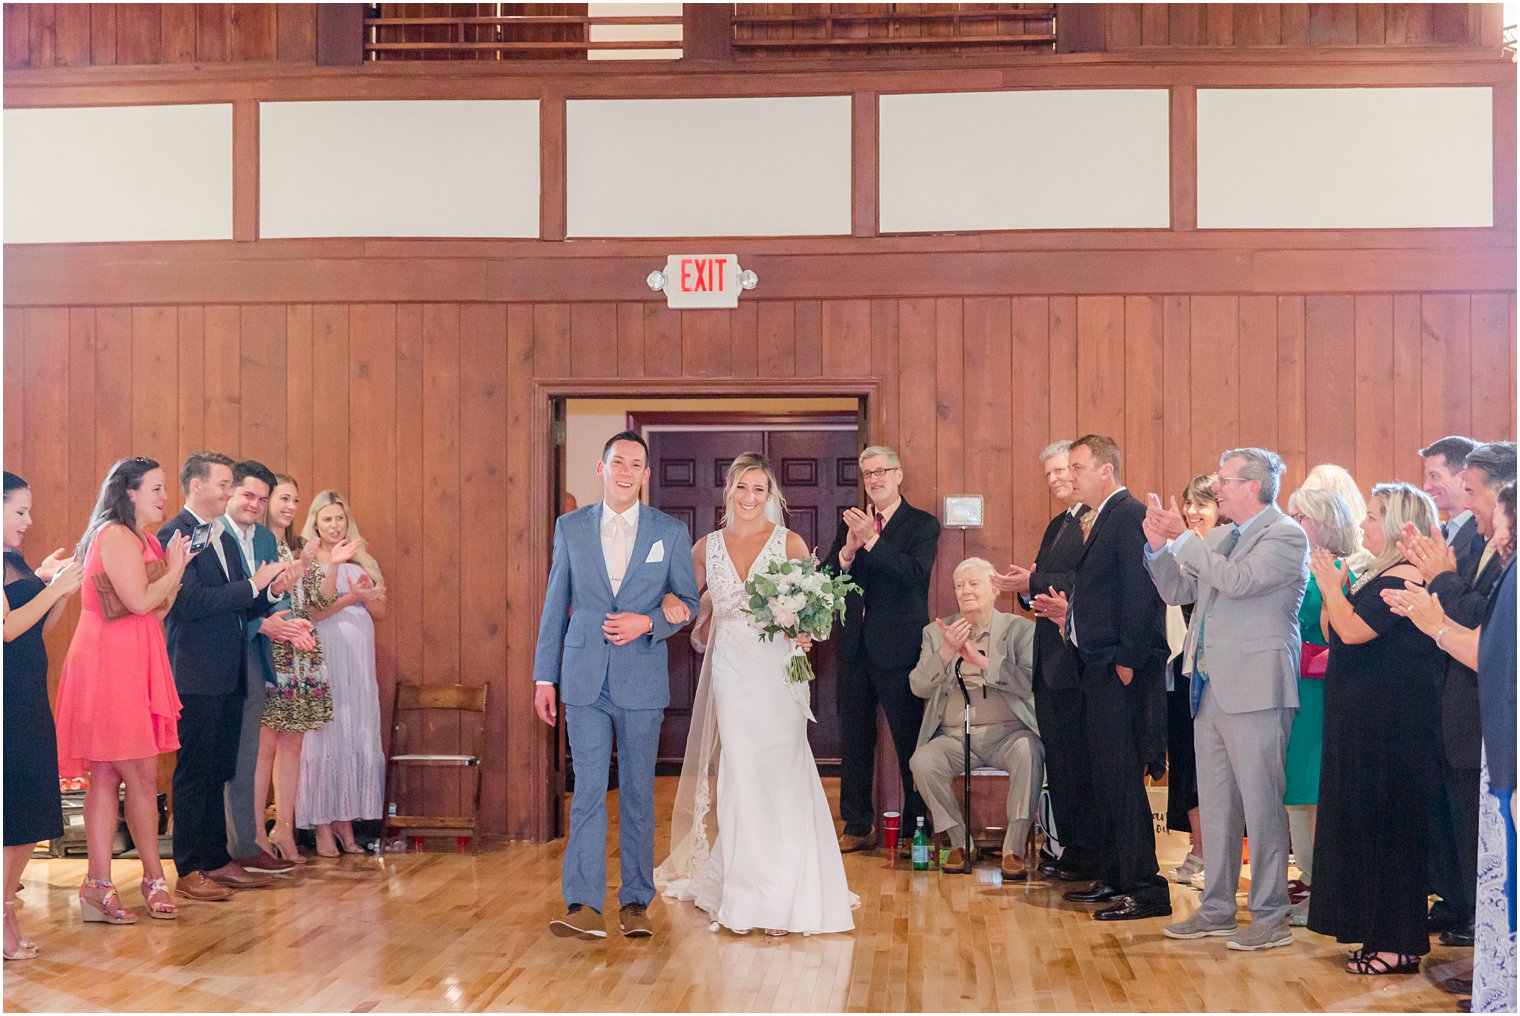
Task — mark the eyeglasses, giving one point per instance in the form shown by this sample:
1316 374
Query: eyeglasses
1297 517
1235 479
876 474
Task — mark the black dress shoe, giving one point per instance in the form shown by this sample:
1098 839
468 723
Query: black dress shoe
1462 939
1127 908
1439 920
1456 985
1066 874
1098 892
1049 865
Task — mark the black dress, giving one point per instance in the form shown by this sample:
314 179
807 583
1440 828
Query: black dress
32 806
1377 779
1182 764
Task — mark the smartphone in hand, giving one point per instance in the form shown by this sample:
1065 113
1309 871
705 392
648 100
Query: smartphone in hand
200 537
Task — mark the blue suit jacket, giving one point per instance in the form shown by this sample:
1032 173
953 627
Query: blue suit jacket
572 652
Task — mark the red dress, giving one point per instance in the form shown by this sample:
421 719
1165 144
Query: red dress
116 695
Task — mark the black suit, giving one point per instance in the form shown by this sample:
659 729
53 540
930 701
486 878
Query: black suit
1117 619
1057 698
1454 820
877 647
206 636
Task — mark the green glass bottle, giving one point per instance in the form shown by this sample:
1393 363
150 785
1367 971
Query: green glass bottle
920 847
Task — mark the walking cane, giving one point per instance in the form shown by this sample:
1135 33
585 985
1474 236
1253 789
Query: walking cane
966 802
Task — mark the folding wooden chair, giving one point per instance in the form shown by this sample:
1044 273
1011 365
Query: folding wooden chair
418 711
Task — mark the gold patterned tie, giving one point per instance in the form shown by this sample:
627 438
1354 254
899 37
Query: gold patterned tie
1086 522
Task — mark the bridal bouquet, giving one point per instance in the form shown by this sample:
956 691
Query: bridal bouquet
795 598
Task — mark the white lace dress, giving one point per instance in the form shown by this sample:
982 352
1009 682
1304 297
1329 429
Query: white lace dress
774 862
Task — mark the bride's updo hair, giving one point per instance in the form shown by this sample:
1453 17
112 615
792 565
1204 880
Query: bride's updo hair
743 464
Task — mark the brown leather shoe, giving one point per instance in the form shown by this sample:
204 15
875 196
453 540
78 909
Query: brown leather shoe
633 919
579 922
196 886
1013 868
956 861
265 864
849 843
235 876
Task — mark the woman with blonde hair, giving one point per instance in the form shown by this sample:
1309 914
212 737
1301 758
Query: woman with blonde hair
764 855
1381 749
342 764
1326 521
1328 476
299 700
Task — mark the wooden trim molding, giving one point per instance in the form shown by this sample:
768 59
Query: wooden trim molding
552 212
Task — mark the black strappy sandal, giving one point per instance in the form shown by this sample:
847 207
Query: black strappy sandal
1372 963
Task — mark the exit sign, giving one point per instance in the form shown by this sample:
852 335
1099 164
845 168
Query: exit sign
702 280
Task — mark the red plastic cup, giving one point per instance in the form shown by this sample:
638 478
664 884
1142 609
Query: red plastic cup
891 828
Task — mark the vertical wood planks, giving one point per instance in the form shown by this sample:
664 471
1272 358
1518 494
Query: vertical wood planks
1376 456
329 386
1446 362
1258 372
264 373
1329 364
1215 331
1143 435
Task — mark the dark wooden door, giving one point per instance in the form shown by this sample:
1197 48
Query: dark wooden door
816 466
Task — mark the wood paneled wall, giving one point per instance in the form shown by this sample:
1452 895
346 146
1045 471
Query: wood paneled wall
99 34
422 415
1129 26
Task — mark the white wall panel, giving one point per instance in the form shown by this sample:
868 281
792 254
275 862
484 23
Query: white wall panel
709 167
1047 159
1345 158
118 173
406 168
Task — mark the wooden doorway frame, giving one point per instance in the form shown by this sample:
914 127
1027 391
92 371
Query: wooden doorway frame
546 392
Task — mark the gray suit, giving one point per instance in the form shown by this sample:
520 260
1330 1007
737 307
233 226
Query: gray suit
1246 614
1013 747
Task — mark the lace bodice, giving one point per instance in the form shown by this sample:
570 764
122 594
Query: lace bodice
724 583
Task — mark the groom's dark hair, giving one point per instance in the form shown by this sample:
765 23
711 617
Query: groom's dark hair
626 435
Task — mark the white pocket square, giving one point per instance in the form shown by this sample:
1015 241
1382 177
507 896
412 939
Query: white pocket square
656 553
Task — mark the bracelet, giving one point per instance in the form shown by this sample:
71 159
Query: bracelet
1442 634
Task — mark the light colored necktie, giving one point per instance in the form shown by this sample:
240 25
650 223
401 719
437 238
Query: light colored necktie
1086 522
619 552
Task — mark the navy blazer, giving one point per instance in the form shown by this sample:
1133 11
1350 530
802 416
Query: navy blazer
206 628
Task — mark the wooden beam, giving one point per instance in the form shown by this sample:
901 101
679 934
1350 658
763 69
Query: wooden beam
340 35
1184 157
245 170
865 170
552 210
707 31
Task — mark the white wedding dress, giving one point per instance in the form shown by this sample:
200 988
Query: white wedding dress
766 856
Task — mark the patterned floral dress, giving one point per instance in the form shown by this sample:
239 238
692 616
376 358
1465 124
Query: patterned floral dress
300 700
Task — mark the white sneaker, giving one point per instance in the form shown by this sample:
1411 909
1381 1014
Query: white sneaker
1197 880
1184 872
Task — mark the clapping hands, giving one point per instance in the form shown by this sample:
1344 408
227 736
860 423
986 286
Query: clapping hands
1418 604
1015 580
365 590
1429 554
53 563
1052 606
294 630
66 578
1322 565
1162 525
862 528
957 642
344 550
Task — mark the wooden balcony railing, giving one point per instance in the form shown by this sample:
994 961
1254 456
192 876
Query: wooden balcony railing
847 29
601 31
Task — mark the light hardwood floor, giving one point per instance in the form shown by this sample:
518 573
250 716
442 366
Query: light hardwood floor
448 931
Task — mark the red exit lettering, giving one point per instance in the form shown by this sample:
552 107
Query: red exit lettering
702 275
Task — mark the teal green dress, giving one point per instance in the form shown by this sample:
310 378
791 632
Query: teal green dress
1307 739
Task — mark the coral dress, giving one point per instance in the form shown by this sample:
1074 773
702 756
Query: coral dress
116 695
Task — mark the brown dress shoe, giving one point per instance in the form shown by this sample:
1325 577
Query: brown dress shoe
579 922
235 876
848 843
196 886
265 864
1013 868
634 921
956 861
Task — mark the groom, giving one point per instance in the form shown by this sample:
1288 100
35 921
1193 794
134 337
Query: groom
603 631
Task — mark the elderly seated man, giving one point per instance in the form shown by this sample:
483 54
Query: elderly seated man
996 656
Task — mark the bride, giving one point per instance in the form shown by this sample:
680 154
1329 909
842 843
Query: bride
767 856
